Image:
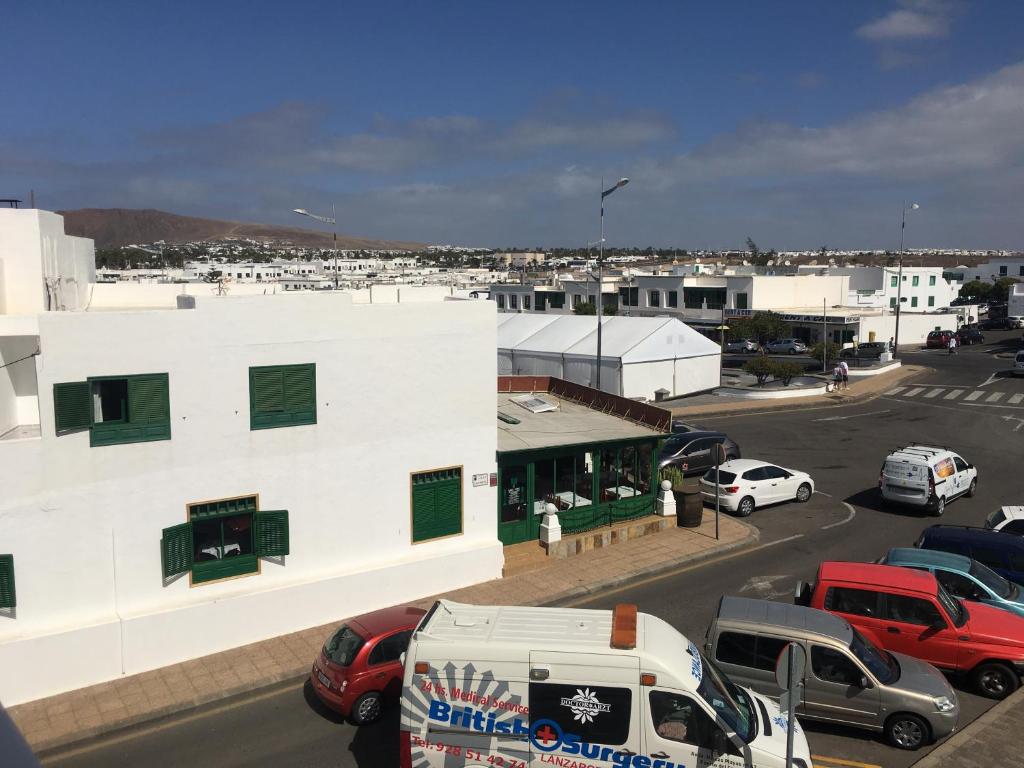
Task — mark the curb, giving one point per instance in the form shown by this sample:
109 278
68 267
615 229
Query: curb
955 744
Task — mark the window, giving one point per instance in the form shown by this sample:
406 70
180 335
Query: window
698 298
654 298
755 474
993 558
115 409
911 610
390 649
755 651
513 301
775 473
1014 526
931 280
1020 271
892 303
859 602
913 300
673 299
931 301
834 666
436 504
676 717
741 301
1002 271
542 303
8 597
961 465
608 711
501 301
959 585
892 281
282 396
576 299
223 539
527 302
556 299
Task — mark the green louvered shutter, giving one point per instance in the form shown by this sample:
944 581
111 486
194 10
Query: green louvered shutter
282 395
8 598
176 549
436 504
72 407
300 393
149 406
266 397
272 533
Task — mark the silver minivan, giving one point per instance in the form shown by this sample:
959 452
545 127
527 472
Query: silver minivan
848 679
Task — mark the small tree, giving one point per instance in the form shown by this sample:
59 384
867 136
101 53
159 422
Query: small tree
825 351
1002 287
761 367
674 475
585 308
784 370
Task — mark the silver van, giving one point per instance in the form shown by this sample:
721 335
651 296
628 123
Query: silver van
848 679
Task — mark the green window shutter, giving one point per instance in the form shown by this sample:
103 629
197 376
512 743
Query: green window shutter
282 396
300 393
8 598
176 549
272 533
72 407
149 399
436 504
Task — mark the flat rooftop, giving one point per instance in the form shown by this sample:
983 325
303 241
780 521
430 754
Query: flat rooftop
571 423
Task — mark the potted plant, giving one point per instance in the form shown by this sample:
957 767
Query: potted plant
689 502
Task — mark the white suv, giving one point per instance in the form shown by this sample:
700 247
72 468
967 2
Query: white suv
923 476
1007 520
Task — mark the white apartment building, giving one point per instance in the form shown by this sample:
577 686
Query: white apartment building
187 479
922 289
1011 266
524 259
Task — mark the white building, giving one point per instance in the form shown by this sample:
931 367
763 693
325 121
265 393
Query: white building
522 259
182 481
990 271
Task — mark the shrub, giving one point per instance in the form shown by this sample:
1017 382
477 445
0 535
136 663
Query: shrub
785 370
674 475
828 348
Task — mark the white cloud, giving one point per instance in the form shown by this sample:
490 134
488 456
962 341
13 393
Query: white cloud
906 25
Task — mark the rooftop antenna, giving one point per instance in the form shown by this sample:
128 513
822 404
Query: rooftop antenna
31 198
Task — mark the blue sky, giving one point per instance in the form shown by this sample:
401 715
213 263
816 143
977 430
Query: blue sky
799 124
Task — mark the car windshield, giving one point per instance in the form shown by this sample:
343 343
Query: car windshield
343 646
729 701
724 478
995 518
991 580
955 608
882 664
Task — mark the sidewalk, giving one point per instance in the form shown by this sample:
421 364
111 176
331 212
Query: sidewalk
87 712
991 740
859 391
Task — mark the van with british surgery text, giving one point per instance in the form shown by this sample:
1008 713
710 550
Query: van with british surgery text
513 687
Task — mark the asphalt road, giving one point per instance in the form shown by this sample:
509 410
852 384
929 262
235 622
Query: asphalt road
841 448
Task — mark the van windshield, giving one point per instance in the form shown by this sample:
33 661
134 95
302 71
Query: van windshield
881 663
992 580
728 700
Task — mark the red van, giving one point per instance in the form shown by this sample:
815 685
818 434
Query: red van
908 611
359 669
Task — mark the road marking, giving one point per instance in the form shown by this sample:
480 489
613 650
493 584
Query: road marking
934 393
914 392
993 405
1014 399
1020 422
994 397
953 395
854 416
895 391
840 761
848 518
974 395
990 379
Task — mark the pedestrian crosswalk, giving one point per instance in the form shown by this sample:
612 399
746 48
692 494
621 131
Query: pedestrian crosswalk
977 396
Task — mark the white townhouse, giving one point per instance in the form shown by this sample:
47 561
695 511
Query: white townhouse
187 479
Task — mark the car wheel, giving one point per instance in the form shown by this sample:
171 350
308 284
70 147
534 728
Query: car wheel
973 487
745 507
906 731
803 493
367 708
994 681
938 507
792 351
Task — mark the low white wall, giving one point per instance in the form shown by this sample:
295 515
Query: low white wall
771 394
857 373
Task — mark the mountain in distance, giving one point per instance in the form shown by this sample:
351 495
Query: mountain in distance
116 227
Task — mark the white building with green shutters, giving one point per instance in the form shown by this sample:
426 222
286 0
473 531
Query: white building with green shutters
181 481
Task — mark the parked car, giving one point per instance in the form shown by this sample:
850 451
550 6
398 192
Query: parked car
938 339
679 427
909 612
1015 321
743 346
694 452
962 577
1007 520
1000 323
786 346
969 336
983 308
848 681
359 669
748 484
1018 363
866 351
926 477
1002 552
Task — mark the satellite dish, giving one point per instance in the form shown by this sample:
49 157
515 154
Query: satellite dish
788 262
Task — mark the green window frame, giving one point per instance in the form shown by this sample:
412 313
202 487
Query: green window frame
142 402
915 281
673 299
282 396
931 280
741 300
892 302
893 281
8 596
223 539
436 504
931 301
913 301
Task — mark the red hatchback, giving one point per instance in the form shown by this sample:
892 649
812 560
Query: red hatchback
938 339
360 666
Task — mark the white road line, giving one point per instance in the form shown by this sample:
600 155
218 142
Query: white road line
953 394
854 416
848 518
1014 399
992 405
895 391
914 392
974 395
989 380
994 397
934 393
779 541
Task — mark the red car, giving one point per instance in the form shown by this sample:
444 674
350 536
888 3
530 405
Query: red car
939 339
360 666
907 611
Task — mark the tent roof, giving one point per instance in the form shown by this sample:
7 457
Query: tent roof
555 337
520 327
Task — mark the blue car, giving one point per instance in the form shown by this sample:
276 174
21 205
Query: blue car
1002 552
962 577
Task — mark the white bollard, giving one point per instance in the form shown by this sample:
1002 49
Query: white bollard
550 528
666 500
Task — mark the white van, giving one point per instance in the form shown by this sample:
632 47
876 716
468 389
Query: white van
922 476
512 687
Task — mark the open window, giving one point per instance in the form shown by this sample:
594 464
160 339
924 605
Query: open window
115 409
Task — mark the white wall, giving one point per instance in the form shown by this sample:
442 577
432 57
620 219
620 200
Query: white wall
400 389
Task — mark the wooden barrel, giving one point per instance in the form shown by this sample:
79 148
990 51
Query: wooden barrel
689 507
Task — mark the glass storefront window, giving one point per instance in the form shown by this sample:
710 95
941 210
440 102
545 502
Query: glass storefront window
513 494
543 484
584 479
643 468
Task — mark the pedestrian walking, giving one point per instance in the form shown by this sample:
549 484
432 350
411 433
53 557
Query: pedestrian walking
892 344
837 377
952 345
844 370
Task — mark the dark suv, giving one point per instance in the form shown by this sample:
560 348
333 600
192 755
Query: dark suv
1002 552
968 336
866 351
693 452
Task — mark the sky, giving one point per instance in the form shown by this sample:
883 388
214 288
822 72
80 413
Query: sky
798 124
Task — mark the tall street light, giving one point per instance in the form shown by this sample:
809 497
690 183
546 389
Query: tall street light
899 278
600 271
333 221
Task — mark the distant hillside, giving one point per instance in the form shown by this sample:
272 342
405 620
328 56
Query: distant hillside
114 227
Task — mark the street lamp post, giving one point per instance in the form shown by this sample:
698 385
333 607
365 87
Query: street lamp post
333 221
600 271
899 278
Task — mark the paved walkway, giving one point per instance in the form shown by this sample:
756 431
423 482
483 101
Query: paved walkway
991 741
70 717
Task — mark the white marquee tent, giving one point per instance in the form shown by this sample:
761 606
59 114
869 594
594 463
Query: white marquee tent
638 354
